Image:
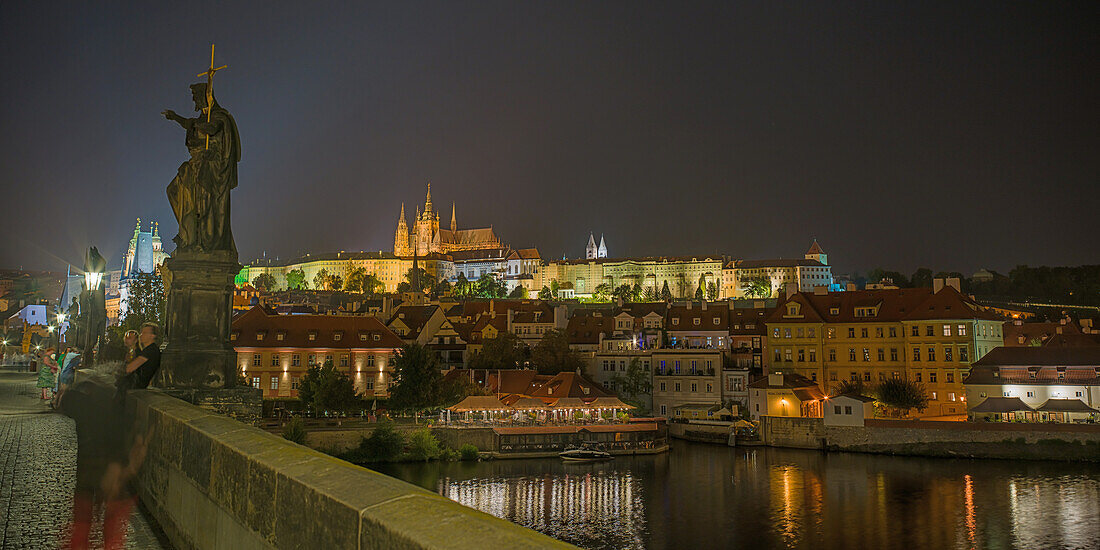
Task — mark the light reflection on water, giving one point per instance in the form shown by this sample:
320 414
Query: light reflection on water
703 496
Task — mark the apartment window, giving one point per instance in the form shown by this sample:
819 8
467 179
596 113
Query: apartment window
312 336
777 355
866 354
931 353
853 376
847 409
787 332
343 360
274 382
851 332
948 355
799 332
256 358
935 398
932 377
663 411
312 359
811 332
696 321
676 386
964 354
801 355
295 360
882 377
370 360
916 354
836 409
893 332
832 376
710 388
832 354
961 330
893 354
787 354
863 332
947 330
294 380
1031 394
775 332
929 330
951 396
693 387
917 377
852 354
878 332
1078 394
368 385
916 330
813 355
677 366
337 336
881 354
664 387
866 376
256 382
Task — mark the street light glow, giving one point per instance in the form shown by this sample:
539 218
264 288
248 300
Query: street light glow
92 280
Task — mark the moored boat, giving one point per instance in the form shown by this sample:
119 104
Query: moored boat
586 453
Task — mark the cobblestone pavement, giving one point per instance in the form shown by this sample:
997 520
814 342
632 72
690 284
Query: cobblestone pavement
38 472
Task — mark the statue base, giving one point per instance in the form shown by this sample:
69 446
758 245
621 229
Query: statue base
198 355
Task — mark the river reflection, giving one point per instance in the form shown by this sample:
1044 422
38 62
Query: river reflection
705 496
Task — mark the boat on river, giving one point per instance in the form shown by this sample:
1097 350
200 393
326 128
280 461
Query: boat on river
585 453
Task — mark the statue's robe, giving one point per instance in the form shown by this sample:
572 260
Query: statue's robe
199 194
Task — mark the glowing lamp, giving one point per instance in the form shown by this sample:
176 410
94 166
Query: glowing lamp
92 280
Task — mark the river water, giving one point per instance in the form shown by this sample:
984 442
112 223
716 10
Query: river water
709 496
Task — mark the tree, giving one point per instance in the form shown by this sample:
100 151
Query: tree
553 355
506 351
326 389
321 279
357 275
383 444
519 293
922 278
545 294
295 431
757 287
712 291
636 293
145 301
417 379
849 387
404 287
440 288
699 294
601 292
372 285
264 281
462 288
296 279
335 282
554 288
426 280
623 292
423 445
649 295
489 287
901 395
666 294
634 382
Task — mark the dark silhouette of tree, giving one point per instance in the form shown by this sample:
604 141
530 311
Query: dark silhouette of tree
264 281
553 355
323 388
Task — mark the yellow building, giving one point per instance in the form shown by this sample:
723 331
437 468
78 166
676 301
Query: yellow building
682 274
808 273
872 335
389 269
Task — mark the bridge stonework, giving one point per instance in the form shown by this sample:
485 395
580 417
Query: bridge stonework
213 482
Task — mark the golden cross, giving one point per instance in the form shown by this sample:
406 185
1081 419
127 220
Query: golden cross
209 74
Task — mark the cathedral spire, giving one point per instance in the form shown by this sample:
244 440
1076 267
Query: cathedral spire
454 221
401 219
428 201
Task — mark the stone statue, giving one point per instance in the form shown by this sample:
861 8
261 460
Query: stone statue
199 194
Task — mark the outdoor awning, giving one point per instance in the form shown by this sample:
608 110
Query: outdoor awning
529 404
569 403
609 403
1001 405
1066 405
479 403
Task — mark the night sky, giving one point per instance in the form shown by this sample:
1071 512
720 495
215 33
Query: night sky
949 136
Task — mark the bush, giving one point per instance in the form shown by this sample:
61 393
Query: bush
449 455
468 452
423 445
384 445
295 431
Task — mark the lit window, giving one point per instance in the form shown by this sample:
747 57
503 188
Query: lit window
256 382
274 382
947 332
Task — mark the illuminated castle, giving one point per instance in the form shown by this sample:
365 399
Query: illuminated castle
426 236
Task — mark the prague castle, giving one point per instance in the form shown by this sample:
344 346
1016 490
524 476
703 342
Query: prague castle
425 236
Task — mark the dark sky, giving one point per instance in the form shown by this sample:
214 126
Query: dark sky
955 135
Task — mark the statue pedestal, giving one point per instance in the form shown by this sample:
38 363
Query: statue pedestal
199 363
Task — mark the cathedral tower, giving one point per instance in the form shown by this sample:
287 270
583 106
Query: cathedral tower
401 236
590 251
454 221
601 252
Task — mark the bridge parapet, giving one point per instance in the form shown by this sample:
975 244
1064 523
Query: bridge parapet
213 482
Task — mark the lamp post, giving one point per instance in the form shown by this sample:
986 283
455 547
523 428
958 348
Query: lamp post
93 303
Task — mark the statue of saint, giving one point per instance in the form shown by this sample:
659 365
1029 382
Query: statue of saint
199 194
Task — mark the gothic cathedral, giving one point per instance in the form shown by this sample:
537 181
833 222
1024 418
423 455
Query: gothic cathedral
424 235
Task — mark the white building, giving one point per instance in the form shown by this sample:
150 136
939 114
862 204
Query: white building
1035 384
848 410
810 272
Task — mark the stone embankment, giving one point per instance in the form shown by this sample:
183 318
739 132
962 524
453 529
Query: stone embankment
938 439
213 482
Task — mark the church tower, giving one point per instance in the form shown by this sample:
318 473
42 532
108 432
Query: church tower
454 221
816 253
602 251
401 236
591 252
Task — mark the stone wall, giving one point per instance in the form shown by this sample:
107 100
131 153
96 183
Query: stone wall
944 439
703 433
213 482
338 440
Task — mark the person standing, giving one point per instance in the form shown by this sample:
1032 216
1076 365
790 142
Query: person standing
47 370
129 342
146 362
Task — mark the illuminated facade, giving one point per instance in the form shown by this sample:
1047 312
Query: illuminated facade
274 351
683 275
808 273
872 335
425 236
389 269
1046 384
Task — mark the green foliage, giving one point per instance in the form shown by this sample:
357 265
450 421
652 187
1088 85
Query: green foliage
756 287
296 279
699 294
633 382
417 379
449 455
666 294
602 292
373 286
324 280
404 287
145 302
420 276
264 281
326 389
545 294
468 452
712 291
489 287
423 445
462 287
849 387
295 431
901 395
357 275
519 293
506 351
552 354
384 444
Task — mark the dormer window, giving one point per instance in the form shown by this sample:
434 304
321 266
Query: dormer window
717 320
377 337
337 336
312 335
834 311
697 321
233 335
675 320
260 335
362 337
280 335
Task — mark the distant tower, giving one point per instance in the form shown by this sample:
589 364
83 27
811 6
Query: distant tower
602 252
454 221
591 252
401 236
815 253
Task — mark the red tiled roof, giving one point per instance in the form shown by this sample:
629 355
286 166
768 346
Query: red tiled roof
569 384
586 329
905 304
355 332
706 317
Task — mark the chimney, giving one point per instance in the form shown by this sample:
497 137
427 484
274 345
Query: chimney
790 288
689 304
851 287
775 379
954 283
703 305
937 285
560 317
492 308
821 290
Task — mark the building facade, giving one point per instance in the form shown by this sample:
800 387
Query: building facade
808 273
426 236
1035 384
682 275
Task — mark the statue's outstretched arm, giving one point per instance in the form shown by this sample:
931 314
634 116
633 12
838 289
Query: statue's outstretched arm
184 122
